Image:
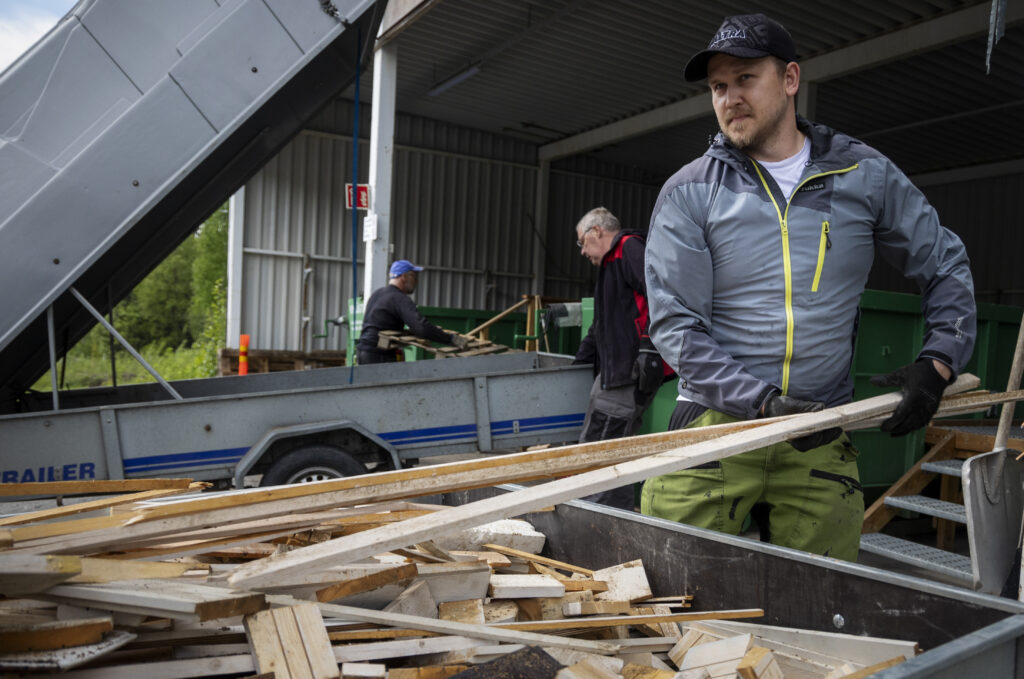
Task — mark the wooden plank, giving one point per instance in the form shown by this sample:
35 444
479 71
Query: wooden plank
419 481
402 648
46 636
911 483
625 621
92 487
508 551
470 611
173 599
110 570
366 583
265 644
385 538
66 658
524 586
292 643
29 573
487 632
93 505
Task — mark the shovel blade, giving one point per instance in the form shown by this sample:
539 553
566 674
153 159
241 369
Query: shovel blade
993 518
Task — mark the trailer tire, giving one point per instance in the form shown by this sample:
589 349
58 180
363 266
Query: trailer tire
312 463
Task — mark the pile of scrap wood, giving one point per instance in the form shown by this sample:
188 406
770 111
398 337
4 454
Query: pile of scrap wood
395 339
466 604
297 580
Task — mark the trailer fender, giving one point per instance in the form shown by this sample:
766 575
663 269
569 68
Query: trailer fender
294 431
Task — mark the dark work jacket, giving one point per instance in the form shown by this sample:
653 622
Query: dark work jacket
391 309
620 313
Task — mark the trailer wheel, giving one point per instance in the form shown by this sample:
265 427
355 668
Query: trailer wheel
312 463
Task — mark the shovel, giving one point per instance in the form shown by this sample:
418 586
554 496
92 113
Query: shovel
993 485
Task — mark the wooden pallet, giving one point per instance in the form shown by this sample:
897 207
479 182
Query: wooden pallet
396 339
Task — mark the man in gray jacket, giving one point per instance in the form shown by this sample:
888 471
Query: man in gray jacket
757 256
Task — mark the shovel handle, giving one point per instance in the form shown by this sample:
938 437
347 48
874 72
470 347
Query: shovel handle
1006 416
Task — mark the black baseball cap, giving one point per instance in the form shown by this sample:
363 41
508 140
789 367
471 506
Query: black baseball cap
747 36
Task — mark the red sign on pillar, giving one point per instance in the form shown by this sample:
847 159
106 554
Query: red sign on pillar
362 196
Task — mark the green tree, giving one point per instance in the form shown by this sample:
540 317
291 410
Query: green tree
156 312
209 269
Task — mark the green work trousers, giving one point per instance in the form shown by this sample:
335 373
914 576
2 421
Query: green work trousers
814 500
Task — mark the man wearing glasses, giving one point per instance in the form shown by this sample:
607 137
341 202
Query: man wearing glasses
390 308
627 369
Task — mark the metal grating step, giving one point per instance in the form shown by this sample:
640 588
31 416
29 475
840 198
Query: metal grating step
947 467
929 506
936 560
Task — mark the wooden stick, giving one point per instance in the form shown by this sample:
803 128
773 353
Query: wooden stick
92 487
628 620
508 551
495 319
92 505
282 567
366 582
453 628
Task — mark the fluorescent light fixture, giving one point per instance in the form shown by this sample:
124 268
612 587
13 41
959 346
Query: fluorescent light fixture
451 82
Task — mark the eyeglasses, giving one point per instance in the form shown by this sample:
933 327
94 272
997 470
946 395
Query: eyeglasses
587 230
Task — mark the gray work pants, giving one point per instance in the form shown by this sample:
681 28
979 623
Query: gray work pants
612 414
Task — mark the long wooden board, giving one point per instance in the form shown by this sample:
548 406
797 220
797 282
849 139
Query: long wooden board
91 487
279 568
453 628
406 483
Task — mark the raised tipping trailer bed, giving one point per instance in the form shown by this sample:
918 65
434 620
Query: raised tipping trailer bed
962 633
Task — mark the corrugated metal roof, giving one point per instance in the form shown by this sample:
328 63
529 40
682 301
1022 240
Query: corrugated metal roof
555 69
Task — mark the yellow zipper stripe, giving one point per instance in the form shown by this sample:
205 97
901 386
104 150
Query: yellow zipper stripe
822 245
788 272
786 266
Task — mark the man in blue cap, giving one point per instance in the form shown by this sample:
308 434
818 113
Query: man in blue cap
757 255
390 308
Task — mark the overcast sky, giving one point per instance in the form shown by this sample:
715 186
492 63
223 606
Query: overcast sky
22 22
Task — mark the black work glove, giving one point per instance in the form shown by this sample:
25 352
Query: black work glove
648 371
922 388
787 405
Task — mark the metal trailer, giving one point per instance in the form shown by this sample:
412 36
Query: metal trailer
295 426
962 633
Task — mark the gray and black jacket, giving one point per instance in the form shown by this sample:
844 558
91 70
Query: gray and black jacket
752 292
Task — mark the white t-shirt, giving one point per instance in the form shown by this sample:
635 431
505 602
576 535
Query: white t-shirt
787 172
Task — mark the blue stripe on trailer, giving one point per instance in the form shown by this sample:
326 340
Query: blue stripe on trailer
137 465
536 424
429 434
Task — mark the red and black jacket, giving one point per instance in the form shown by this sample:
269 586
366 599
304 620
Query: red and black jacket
620 313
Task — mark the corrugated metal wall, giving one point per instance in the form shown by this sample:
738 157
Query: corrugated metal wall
976 210
464 204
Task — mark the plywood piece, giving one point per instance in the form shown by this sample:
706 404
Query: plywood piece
524 586
500 611
456 581
587 669
469 611
67 658
567 657
46 636
719 657
366 583
634 671
539 608
626 582
759 663
363 670
415 600
29 573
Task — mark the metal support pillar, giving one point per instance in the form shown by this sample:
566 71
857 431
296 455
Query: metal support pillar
540 225
377 224
236 243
